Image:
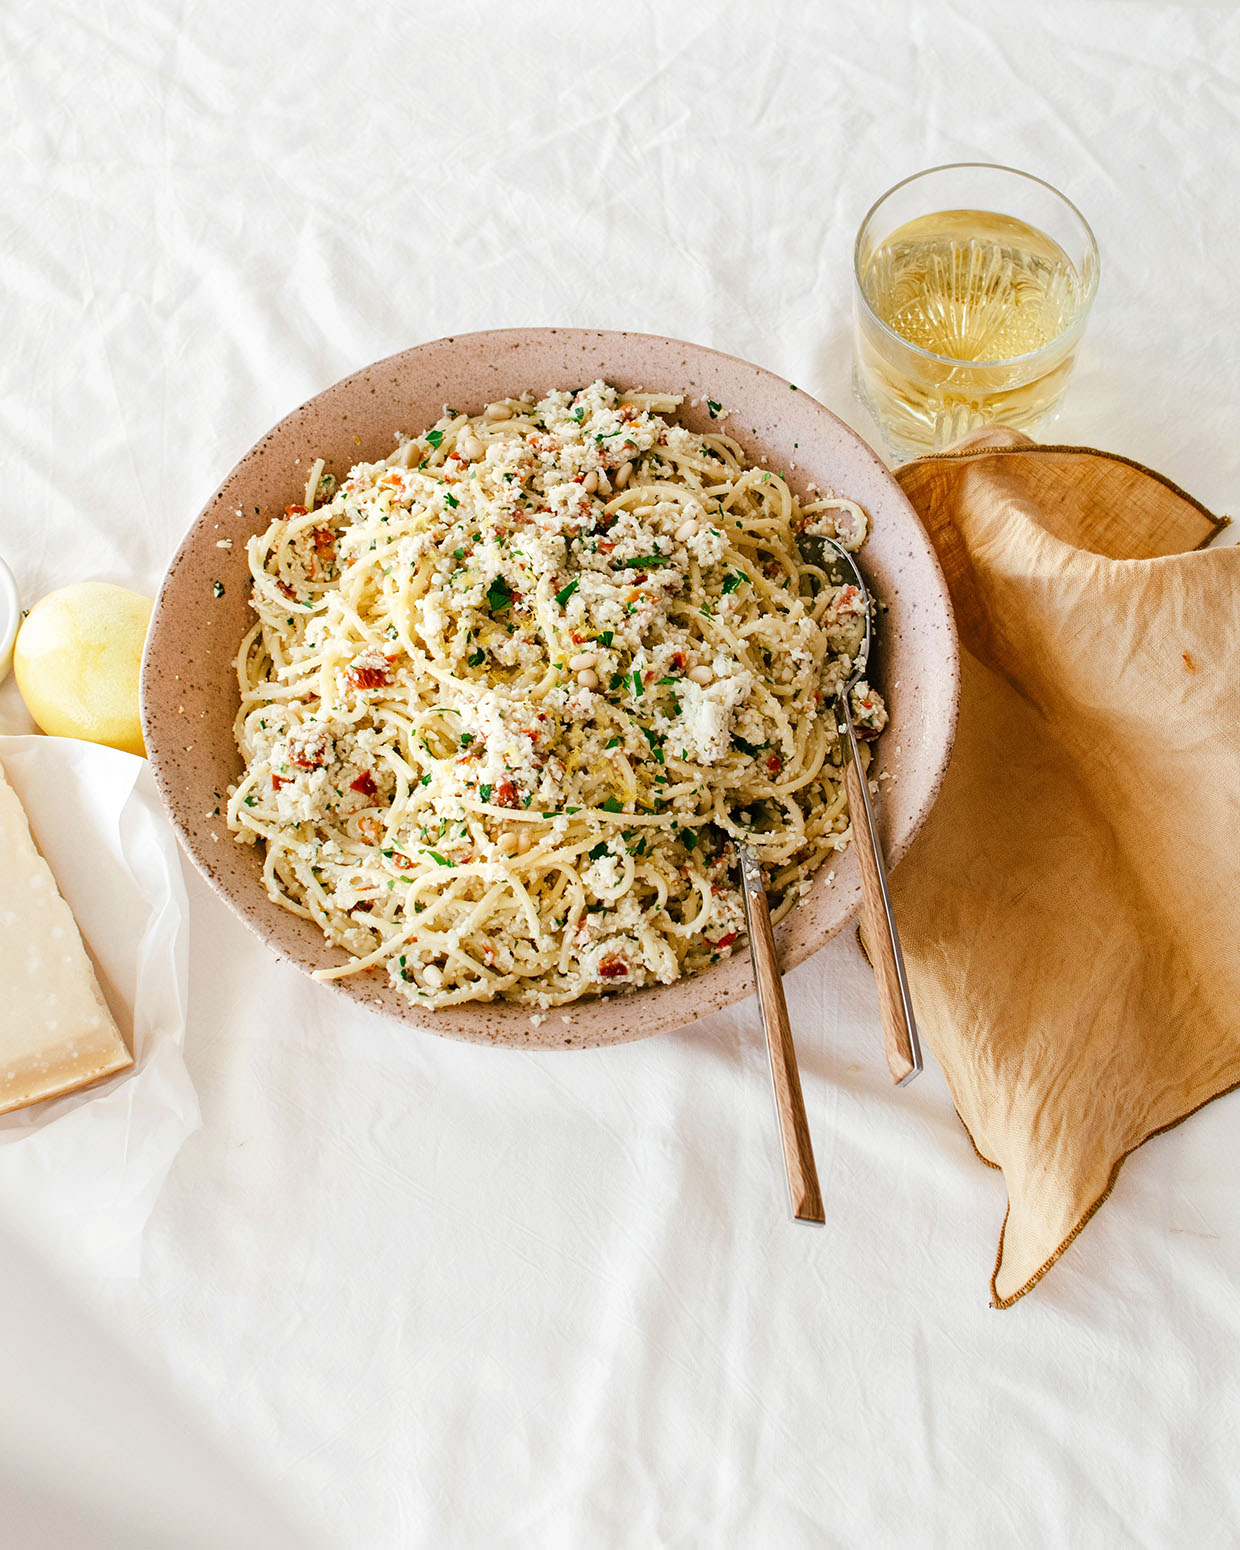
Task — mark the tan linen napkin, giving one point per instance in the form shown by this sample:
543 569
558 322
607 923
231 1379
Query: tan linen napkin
1069 912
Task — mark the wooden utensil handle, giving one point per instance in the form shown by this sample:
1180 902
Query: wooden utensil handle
899 1027
803 1191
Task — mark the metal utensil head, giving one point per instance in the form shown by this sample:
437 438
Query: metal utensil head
840 569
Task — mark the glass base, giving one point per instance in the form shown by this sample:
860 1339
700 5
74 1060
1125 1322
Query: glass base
949 426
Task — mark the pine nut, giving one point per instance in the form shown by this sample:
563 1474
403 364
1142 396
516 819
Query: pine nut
494 412
472 447
433 976
623 474
701 675
524 841
587 679
603 487
686 530
508 843
590 483
583 659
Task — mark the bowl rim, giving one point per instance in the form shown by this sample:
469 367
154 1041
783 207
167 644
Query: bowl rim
440 1022
10 617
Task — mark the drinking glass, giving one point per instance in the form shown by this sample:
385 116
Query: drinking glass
973 285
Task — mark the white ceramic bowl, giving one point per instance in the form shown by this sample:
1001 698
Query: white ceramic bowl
189 689
10 618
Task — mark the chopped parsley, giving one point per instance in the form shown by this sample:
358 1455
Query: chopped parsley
499 595
477 657
450 498
732 580
605 637
612 806
442 860
485 793
435 438
638 686
645 561
563 595
714 408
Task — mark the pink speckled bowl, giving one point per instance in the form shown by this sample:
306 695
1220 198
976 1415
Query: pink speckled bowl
189 691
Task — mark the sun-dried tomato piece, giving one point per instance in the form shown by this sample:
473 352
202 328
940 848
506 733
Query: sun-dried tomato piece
365 783
367 678
613 968
308 747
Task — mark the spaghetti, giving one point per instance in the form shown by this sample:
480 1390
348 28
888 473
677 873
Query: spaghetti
513 692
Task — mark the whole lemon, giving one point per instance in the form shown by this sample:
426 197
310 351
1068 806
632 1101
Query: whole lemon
77 660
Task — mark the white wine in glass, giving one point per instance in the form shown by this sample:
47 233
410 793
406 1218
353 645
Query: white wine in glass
968 315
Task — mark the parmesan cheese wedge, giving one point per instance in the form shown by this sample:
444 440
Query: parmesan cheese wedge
56 1033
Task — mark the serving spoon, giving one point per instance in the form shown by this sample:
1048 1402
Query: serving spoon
882 940
804 1194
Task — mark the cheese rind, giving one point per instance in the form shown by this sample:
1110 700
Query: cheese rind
56 1032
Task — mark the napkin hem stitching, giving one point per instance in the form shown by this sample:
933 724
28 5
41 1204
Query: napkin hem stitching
1006 1302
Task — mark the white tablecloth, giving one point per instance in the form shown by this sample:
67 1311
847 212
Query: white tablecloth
424 1294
